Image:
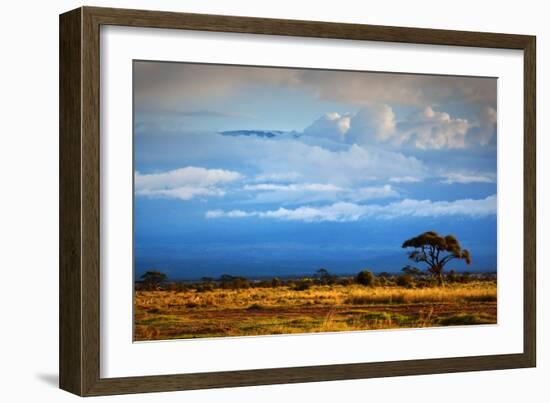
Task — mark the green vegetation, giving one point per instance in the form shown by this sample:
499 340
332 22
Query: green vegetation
153 279
365 278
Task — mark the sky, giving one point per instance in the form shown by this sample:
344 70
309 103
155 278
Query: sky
261 171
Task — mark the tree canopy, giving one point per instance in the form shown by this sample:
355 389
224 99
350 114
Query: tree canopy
153 278
436 251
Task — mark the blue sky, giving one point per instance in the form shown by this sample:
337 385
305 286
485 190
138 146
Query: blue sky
275 171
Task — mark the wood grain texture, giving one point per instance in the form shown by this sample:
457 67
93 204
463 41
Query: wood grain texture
80 201
70 275
316 29
530 202
90 203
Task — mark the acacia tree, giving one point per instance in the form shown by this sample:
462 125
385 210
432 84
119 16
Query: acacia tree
152 279
436 251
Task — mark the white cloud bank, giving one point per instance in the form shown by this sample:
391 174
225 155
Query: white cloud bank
404 179
345 212
184 183
285 158
426 129
462 178
295 193
430 129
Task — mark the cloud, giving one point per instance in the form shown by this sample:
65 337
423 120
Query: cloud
277 177
160 84
373 124
184 183
372 88
187 90
183 192
209 113
425 129
372 192
486 126
405 179
343 165
156 118
354 164
452 178
314 192
159 114
331 125
315 187
430 129
346 212
188 83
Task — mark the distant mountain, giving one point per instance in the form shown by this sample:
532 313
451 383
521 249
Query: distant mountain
258 133
187 266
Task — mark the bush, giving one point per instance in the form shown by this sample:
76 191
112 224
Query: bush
405 280
465 277
153 280
261 284
178 287
425 282
451 277
384 281
233 283
345 281
202 287
303 284
413 272
365 278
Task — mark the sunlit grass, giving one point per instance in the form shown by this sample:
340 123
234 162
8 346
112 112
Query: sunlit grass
321 308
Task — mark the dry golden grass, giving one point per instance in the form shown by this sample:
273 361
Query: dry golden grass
256 311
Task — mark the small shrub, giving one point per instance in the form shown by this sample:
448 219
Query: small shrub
345 281
302 285
365 278
205 287
232 282
384 281
405 280
451 277
178 287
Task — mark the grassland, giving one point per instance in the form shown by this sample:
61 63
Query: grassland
284 309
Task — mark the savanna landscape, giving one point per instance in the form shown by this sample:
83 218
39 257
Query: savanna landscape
273 200
236 306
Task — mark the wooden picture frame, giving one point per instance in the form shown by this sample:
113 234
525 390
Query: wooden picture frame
80 199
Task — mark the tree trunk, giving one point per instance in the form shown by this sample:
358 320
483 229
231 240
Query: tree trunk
440 280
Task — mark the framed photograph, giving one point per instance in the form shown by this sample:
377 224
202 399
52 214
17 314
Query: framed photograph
248 201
